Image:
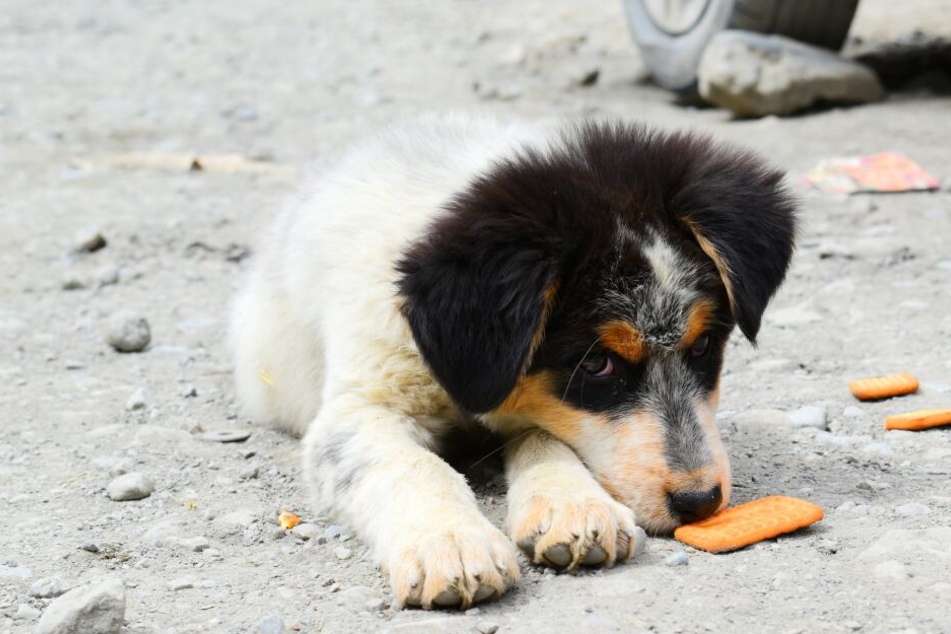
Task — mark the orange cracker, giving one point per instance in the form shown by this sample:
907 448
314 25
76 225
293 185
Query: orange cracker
922 419
749 523
883 386
288 520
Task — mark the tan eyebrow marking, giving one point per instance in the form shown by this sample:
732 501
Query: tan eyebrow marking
701 313
624 339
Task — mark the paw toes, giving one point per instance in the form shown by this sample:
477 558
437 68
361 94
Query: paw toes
484 592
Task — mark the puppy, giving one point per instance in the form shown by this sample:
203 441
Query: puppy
571 288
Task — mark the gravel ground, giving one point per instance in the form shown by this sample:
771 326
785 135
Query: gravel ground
84 84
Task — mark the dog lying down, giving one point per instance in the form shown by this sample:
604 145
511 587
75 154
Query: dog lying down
570 288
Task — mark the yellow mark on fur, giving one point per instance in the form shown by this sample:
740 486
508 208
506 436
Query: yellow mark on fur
266 377
624 339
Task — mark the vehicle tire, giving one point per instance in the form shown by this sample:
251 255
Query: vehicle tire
672 34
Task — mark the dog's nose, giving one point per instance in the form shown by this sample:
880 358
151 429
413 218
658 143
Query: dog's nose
695 505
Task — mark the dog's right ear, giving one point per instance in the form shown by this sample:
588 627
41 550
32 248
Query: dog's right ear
477 290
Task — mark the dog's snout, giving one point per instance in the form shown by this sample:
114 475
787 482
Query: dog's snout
691 506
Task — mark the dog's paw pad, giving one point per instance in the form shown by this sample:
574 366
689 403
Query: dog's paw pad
567 532
453 567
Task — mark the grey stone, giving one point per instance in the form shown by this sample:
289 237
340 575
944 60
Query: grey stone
334 531
49 587
487 627
107 275
271 625
342 553
809 416
753 75
73 282
131 486
93 609
306 532
137 400
640 541
677 559
912 509
225 435
128 332
182 583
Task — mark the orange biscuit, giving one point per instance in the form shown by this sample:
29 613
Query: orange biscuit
922 419
288 520
883 386
749 523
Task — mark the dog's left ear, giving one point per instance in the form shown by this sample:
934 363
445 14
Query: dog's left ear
743 218
477 293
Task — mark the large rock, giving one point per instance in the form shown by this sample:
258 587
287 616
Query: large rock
94 609
755 75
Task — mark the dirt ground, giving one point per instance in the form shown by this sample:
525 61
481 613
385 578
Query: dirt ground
83 82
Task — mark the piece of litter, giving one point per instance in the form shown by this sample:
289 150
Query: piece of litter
288 520
883 172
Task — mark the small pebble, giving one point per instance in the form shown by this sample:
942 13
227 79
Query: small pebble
473 611
677 559
640 541
93 609
271 625
89 241
48 587
131 486
340 552
809 416
181 583
375 605
334 531
137 400
224 435
305 532
107 276
73 282
487 627
128 332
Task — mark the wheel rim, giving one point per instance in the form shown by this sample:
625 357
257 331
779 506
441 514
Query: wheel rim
675 16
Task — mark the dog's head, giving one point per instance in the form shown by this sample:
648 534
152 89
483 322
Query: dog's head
589 289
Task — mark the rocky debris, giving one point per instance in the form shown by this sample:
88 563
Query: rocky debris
131 486
272 624
137 400
487 627
89 241
93 609
677 559
48 587
755 75
342 553
809 416
128 332
182 583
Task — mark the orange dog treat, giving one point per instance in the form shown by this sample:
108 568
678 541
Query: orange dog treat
288 520
749 523
922 419
883 386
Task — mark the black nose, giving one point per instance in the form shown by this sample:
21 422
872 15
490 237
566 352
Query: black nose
695 505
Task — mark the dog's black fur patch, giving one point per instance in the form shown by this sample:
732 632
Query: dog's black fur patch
474 287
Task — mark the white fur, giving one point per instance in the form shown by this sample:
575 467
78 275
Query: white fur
322 350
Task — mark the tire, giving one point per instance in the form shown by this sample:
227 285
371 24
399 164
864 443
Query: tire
673 43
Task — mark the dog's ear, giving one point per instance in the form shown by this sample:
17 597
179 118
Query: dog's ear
742 217
477 293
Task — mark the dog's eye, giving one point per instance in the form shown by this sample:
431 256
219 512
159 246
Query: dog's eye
598 365
699 347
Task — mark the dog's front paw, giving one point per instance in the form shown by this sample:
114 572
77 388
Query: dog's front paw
455 566
564 530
